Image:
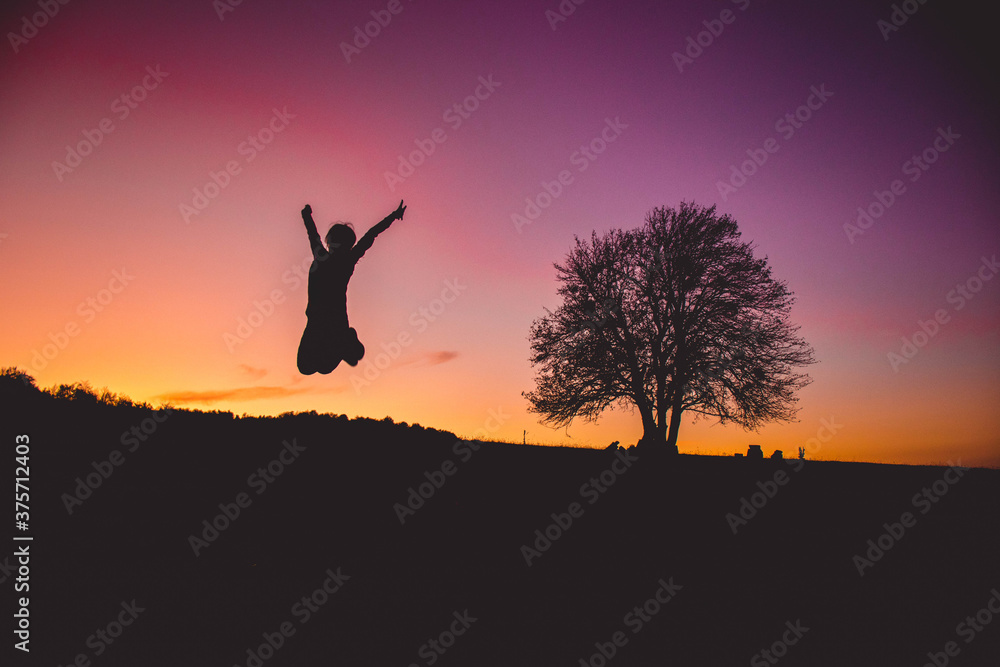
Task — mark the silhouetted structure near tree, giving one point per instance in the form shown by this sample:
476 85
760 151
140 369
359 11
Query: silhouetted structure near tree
329 338
675 315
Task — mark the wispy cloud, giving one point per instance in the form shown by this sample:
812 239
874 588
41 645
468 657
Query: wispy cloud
254 372
238 394
430 358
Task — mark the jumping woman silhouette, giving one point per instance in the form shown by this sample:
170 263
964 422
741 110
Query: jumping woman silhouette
329 338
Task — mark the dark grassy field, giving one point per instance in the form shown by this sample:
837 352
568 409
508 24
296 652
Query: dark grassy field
401 585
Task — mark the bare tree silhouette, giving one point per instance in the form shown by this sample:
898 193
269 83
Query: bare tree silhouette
677 315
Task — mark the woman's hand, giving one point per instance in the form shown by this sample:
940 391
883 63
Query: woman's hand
398 213
307 211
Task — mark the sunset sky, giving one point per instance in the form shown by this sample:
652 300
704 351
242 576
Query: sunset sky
157 97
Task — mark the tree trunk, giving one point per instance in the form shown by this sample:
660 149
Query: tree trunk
675 426
654 437
648 428
676 409
677 390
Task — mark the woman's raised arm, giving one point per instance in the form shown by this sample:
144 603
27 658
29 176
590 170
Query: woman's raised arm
315 242
366 241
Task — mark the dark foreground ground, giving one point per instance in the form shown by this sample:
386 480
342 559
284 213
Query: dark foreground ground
459 556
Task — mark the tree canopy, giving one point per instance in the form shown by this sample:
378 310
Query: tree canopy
676 315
